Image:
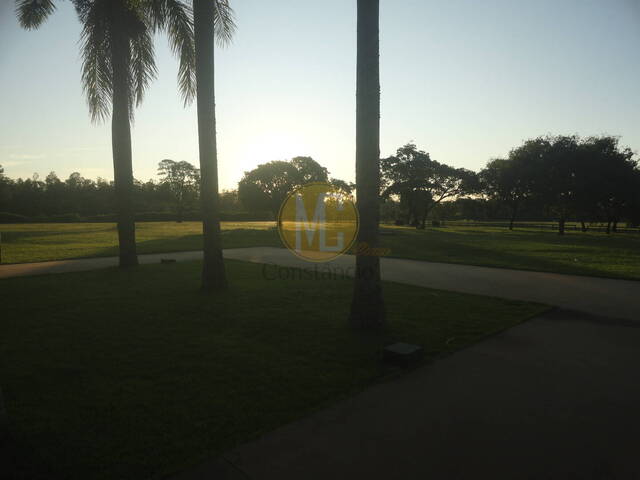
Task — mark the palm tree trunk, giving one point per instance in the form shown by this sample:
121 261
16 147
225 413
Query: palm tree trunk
213 273
367 307
121 146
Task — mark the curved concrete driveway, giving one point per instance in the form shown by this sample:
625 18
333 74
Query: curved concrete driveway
599 296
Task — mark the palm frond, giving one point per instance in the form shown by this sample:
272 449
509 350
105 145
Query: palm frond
97 71
177 21
32 13
224 22
143 66
156 13
83 7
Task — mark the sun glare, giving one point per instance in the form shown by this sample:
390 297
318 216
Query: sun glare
273 146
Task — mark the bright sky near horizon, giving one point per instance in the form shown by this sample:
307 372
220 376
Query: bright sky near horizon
465 80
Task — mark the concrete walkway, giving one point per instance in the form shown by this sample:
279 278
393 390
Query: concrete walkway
554 398
599 296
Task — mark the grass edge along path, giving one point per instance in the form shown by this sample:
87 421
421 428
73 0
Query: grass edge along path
576 253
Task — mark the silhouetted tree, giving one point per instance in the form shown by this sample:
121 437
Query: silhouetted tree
182 179
267 186
28 194
307 170
632 210
506 181
118 64
5 190
557 177
367 306
446 182
345 188
229 201
422 183
613 177
568 176
534 161
212 19
404 175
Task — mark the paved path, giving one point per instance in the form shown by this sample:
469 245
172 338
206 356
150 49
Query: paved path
554 398
84 264
599 296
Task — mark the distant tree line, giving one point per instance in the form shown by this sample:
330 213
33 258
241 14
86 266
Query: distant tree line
560 178
175 196
567 178
557 178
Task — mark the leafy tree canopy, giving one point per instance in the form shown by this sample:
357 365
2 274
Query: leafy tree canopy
267 186
422 183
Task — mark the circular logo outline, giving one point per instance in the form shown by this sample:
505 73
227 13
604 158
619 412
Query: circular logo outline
293 250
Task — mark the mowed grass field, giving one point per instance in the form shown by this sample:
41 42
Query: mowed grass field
38 242
591 253
134 374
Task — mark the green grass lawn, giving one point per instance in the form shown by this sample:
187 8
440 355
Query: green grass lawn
135 374
37 242
591 253
597 254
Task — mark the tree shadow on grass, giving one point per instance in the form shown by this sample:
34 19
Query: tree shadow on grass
238 238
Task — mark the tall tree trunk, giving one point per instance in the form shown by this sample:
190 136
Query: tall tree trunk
213 273
121 147
409 208
425 214
514 212
275 211
608 230
583 226
561 223
179 212
3 413
423 221
414 217
367 306
614 226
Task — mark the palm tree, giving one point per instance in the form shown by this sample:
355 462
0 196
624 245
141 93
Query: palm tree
212 19
118 65
367 307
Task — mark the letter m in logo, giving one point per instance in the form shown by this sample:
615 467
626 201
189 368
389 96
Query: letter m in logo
318 223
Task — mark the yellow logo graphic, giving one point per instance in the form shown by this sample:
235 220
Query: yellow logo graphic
318 222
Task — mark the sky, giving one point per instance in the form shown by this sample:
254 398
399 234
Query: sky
464 80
